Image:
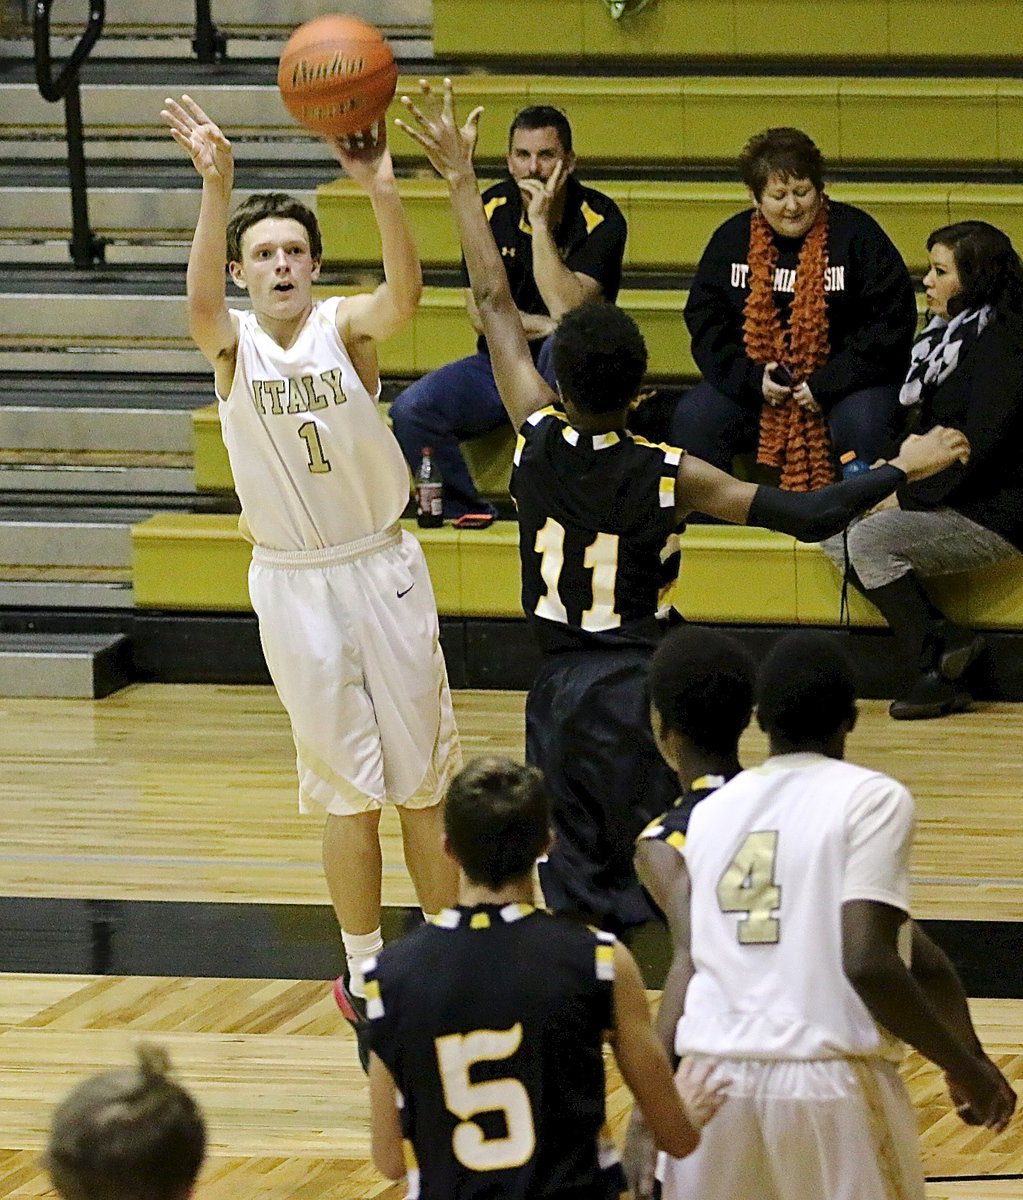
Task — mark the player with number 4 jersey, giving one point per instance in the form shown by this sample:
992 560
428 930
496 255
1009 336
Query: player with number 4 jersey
807 972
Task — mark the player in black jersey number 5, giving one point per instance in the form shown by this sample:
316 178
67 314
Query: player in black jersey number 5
489 1023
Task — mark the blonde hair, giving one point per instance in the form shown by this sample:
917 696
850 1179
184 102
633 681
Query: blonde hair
128 1134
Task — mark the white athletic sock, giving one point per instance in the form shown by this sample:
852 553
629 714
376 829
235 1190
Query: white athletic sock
358 948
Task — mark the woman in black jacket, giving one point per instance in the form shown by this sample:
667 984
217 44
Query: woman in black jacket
801 309
966 372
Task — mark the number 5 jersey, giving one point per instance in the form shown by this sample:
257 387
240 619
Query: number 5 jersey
491 1021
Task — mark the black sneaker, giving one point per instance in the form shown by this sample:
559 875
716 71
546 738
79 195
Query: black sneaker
353 1009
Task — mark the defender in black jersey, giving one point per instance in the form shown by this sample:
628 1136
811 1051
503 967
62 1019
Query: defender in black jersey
598 510
701 693
489 1024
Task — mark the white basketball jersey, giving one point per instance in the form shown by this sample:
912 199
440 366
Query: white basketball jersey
314 464
772 855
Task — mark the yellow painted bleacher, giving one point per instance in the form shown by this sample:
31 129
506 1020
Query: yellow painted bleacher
191 561
683 30
669 221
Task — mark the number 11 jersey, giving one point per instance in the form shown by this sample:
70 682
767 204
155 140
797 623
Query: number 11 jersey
598 535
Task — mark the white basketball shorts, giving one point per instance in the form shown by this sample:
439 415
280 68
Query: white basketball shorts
351 636
837 1129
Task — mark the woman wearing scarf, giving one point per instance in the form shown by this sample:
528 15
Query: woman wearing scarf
966 372
802 316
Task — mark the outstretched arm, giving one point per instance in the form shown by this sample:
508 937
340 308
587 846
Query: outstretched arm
208 319
450 150
377 315
813 516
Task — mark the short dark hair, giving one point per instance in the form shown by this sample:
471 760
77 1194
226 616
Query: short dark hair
599 357
497 818
990 271
806 689
271 204
701 684
783 151
543 116
127 1134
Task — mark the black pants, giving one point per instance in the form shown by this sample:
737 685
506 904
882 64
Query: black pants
588 731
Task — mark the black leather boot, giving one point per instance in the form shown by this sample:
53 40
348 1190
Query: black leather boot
940 649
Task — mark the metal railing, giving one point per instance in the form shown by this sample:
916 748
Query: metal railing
86 248
209 43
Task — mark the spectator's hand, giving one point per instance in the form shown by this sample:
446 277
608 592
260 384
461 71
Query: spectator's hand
201 139
804 398
774 393
544 198
982 1095
701 1090
365 156
923 455
448 147
639 1157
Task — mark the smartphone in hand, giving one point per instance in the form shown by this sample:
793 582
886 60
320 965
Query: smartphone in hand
781 375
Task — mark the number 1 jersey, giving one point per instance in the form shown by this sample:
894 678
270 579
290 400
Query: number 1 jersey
598 535
314 464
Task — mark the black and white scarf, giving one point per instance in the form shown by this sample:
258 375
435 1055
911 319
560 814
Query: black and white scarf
937 351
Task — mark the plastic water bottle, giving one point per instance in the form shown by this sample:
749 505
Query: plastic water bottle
852 464
429 492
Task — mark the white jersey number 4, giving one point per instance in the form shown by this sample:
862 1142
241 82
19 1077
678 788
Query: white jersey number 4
748 886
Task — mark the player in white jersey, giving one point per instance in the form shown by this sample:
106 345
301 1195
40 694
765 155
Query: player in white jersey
346 611
807 967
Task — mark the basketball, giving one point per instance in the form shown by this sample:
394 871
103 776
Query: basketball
337 75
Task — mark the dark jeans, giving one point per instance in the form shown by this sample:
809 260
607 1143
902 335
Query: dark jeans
447 406
714 427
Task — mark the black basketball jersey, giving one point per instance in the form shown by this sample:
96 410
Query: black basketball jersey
671 826
598 535
491 1021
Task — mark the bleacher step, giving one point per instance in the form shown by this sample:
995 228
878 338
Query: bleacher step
82 666
42 477
50 426
66 594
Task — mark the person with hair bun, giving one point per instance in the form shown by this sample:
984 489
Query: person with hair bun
132 1133
966 373
802 315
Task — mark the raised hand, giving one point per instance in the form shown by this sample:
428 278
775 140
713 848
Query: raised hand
543 199
448 147
365 156
201 139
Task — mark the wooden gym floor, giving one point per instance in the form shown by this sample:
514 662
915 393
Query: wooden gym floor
185 795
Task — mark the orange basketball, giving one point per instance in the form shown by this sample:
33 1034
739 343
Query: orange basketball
337 75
